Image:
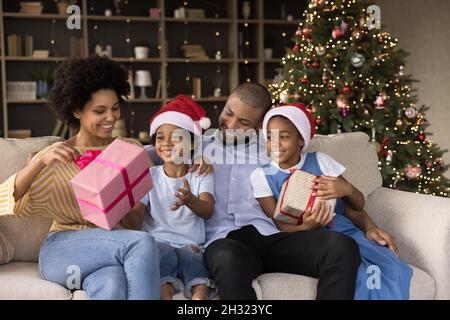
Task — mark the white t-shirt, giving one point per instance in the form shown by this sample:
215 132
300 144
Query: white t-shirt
178 227
261 188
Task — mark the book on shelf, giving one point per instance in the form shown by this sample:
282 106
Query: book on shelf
41 53
31 7
196 87
76 45
158 90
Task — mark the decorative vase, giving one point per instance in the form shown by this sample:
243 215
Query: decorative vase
141 52
62 7
41 89
246 9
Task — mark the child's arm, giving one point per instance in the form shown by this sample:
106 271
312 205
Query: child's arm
203 206
337 187
362 220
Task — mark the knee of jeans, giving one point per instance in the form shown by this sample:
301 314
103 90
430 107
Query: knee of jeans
108 284
147 243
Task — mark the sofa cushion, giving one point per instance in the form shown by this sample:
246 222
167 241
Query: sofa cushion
353 151
283 286
6 250
22 281
29 232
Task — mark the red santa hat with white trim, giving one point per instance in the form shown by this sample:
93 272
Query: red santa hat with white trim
182 112
298 115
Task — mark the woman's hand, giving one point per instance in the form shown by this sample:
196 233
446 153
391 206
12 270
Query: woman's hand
382 238
60 151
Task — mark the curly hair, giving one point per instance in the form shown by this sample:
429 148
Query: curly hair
76 79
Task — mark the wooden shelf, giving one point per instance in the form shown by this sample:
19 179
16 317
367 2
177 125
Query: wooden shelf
249 60
249 21
164 64
123 18
282 22
10 58
273 60
37 101
134 60
184 60
205 20
43 16
150 100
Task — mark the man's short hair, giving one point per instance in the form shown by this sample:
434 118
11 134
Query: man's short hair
254 95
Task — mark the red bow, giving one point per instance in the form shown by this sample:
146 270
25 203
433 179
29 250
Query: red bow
87 158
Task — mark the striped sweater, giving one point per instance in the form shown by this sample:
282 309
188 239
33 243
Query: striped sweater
50 195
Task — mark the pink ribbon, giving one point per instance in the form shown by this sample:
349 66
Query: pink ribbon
87 158
128 187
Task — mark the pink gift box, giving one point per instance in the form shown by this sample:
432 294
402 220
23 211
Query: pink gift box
109 187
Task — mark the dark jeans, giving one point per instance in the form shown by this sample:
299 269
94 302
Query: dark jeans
235 261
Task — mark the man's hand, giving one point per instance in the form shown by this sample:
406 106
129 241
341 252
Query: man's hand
184 196
382 238
332 187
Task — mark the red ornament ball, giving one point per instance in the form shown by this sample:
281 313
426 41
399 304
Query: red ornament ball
316 64
296 48
304 80
346 89
421 137
318 121
307 31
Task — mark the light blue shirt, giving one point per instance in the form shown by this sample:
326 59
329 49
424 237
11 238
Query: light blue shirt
235 205
179 227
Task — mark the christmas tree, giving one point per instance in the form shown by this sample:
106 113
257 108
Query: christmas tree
351 76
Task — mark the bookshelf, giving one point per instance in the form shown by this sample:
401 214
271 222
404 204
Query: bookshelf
264 28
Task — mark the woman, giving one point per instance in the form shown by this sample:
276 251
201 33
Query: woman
117 264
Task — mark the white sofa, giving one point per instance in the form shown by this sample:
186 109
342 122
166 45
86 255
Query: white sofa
420 224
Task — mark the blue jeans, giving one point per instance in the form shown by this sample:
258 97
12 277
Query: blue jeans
108 265
185 262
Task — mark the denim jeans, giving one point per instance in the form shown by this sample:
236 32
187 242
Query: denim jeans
108 265
185 262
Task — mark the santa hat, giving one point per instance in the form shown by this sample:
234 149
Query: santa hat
298 115
182 112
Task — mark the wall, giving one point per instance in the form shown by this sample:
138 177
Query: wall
423 30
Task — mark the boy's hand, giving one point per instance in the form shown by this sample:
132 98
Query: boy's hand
203 166
382 238
319 217
332 187
184 196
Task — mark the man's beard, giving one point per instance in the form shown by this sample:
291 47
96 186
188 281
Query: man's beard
234 137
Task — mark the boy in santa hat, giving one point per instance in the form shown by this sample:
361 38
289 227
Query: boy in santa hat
180 200
288 130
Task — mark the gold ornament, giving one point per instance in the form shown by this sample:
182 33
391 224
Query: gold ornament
320 50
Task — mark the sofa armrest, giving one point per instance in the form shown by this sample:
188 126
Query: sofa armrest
420 225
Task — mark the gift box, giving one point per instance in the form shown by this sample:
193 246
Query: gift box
296 197
112 183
